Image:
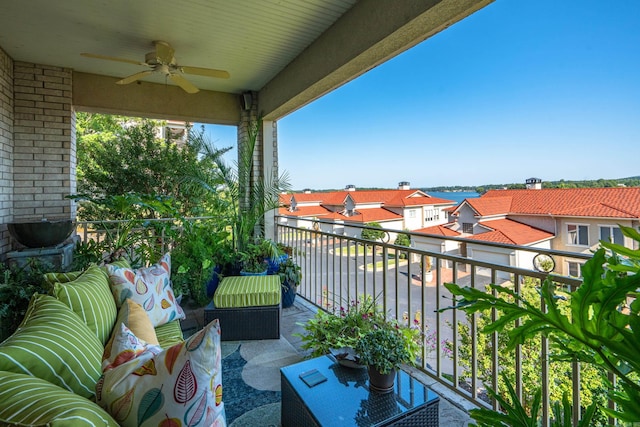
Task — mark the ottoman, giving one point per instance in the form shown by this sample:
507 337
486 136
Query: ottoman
248 307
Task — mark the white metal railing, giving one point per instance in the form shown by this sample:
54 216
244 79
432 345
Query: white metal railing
338 268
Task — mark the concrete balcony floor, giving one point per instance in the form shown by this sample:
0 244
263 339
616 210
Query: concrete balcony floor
452 409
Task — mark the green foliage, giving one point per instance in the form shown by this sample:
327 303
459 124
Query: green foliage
130 235
387 346
515 415
403 240
343 328
369 234
599 328
290 273
17 286
198 248
245 200
350 326
119 155
592 386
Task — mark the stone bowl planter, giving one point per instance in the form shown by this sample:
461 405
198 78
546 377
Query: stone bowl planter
41 234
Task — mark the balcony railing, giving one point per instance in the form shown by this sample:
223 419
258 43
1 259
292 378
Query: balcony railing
338 269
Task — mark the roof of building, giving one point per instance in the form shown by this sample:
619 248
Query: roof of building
505 231
439 230
305 211
614 202
511 232
371 215
395 198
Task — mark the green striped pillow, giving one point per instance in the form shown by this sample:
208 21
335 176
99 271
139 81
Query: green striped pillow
52 343
169 334
27 400
248 291
89 296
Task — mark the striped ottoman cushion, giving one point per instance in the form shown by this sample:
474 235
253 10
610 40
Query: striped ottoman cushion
248 291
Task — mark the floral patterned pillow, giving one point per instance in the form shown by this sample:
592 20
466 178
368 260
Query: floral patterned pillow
150 287
182 384
125 346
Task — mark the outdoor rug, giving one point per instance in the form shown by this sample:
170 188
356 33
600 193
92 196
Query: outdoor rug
251 380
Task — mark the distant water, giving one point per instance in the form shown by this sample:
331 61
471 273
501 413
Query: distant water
456 196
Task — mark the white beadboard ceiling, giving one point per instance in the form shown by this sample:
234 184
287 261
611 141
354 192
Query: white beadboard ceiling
251 39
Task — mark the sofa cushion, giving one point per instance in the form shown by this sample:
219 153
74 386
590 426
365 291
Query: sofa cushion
149 287
54 344
89 296
183 382
32 401
169 334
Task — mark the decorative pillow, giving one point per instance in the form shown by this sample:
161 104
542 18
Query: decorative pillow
89 296
54 344
150 287
169 334
136 318
182 383
125 346
32 401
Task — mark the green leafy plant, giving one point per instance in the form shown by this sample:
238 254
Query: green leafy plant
600 327
348 325
388 345
342 328
290 274
17 286
513 414
196 252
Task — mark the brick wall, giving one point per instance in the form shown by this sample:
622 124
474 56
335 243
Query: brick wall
44 142
6 150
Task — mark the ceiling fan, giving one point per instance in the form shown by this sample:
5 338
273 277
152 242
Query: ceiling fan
163 61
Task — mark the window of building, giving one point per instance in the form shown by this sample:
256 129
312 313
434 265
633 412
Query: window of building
611 234
574 268
467 227
412 213
578 235
428 214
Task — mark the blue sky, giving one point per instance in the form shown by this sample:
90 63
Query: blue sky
547 89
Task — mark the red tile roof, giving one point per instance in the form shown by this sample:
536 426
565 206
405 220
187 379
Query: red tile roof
619 202
439 230
511 232
306 211
372 214
384 197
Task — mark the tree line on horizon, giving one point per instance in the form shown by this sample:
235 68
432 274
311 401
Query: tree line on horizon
595 183
633 181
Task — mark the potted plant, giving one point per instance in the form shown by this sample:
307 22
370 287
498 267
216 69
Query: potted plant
384 349
253 260
290 277
339 331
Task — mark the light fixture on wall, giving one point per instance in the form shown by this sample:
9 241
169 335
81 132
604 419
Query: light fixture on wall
246 100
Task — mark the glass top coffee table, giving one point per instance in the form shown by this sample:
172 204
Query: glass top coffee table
344 398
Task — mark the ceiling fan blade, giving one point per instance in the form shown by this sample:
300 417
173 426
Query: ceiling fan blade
185 84
207 72
111 58
132 78
164 52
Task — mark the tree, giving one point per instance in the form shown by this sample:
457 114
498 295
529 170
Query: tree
118 155
369 234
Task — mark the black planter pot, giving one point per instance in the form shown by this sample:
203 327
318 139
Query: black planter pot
381 383
288 295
